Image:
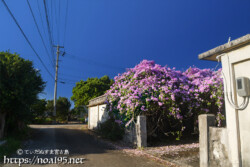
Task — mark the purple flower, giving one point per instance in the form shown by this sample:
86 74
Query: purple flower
192 90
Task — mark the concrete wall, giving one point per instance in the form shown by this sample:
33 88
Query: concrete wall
103 114
130 135
97 112
214 147
218 146
235 58
235 64
136 134
93 117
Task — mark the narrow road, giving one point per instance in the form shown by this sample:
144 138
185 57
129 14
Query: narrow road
80 144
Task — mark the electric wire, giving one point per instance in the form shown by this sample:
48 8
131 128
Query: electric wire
66 79
26 38
55 17
40 33
41 18
48 26
51 18
96 63
59 16
65 22
230 100
70 75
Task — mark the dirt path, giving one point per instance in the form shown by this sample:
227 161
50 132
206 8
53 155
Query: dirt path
80 145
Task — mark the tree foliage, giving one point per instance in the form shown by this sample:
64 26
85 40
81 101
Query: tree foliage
93 87
50 107
77 111
62 109
38 109
20 83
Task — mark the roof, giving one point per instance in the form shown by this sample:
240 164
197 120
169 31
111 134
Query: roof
232 45
98 100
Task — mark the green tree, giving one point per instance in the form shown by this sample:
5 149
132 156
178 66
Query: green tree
62 109
20 83
50 107
78 111
93 87
38 109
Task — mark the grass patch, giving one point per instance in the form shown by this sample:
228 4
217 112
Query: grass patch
9 147
14 142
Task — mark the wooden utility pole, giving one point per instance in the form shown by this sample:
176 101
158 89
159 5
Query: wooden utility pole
55 90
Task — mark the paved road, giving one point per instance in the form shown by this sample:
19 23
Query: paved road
80 145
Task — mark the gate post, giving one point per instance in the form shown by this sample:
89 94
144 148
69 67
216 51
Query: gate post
141 131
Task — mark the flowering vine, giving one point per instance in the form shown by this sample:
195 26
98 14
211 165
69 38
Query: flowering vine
167 97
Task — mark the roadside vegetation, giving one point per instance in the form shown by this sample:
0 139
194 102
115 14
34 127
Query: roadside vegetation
20 84
110 129
171 99
14 142
87 90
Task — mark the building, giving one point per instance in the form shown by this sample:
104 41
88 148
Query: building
229 146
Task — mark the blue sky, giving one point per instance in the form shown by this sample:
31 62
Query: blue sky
103 37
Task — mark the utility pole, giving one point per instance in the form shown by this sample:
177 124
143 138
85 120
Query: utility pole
55 90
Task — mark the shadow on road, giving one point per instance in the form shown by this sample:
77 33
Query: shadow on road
62 137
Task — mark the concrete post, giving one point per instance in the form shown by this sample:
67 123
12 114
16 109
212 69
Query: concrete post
205 120
141 131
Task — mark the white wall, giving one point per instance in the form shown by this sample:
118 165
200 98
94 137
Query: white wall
238 121
103 114
97 114
93 117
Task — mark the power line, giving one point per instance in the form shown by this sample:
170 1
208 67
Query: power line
59 13
70 80
66 19
97 63
6 6
69 83
65 81
55 17
56 20
40 13
40 33
50 17
75 68
48 26
70 75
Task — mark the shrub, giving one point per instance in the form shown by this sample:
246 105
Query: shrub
48 120
9 147
169 98
82 120
110 129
